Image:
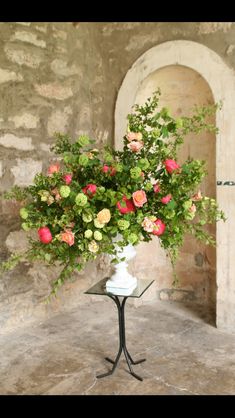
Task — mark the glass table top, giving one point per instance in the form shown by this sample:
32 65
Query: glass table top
100 288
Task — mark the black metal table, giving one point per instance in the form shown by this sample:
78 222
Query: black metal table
100 289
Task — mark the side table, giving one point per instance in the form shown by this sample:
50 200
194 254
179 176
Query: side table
100 289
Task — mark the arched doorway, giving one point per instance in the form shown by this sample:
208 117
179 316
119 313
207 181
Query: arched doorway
217 81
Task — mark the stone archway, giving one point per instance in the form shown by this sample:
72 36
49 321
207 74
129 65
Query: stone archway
221 80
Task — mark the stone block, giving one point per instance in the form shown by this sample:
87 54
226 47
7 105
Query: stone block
25 171
26 120
7 75
54 90
22 57
13 141
60 67
58 121
28 37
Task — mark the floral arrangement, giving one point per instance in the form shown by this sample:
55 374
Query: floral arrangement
88 196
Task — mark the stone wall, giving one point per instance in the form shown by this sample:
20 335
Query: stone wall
65 77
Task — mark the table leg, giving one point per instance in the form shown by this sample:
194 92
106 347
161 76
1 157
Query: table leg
122 341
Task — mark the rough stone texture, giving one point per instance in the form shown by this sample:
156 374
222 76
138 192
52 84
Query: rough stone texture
6 75
12 141
82 68
25 171
1 169
28 37
185 354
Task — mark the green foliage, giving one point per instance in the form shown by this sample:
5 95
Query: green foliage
85 213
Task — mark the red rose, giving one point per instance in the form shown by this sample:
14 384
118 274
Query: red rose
130 207
113 171
105 169
166 199
89 189
44 234
156 188
159 227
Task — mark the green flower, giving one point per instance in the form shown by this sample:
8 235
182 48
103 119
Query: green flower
81 199
88 233
148 186
83 140
143 163
83 160
123 224
86 217
179 123
135 172
44 195
65 191
98 236
187 205
119 167
108 157
98 224
100 189
25 226
24 213
132 238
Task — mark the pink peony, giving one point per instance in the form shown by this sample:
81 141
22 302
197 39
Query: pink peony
89 189
128 208
193 208
159 227
197 196
67 178
135 146
148 225
67 236
105 169
132 136
54 168
171 165
44 234
166 199
139 198
156 188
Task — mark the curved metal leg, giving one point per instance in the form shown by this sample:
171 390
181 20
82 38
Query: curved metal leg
122 342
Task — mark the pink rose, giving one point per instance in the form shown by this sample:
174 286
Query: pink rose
135 146
171 165
105 169
148 224
90 189
54 168
156 188
68 237
67 178
128 208
159 227
197 196
166 199
139 198
131 136
44 234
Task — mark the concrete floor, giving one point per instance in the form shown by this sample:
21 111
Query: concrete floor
185 354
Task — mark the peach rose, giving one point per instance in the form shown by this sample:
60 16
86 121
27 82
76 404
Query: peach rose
193 208
132 136
54 168
67 236
139 198
135 146
104 216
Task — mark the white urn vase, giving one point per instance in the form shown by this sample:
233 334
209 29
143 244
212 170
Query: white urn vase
122 282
